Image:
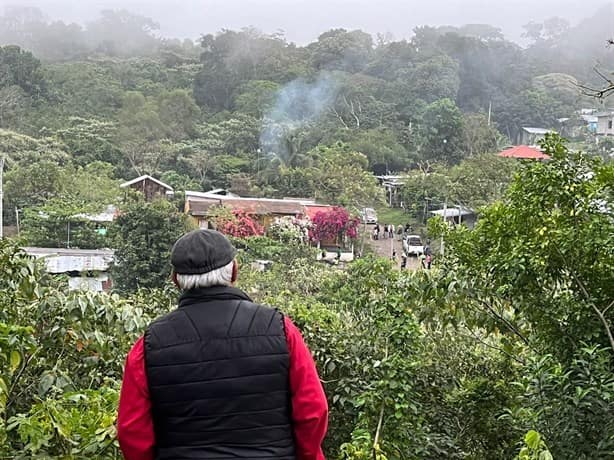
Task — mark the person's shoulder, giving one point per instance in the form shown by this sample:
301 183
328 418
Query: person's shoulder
160 321
260 307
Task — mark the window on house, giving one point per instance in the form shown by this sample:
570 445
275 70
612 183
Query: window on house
609 124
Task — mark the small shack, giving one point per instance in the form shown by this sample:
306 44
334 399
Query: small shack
149 186
531 136
457 215
87 269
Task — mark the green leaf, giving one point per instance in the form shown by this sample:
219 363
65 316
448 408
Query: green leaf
545 455
15 360
532 439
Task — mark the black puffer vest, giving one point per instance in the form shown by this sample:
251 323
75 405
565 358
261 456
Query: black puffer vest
217 369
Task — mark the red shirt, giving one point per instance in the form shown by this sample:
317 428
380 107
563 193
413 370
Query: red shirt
309 407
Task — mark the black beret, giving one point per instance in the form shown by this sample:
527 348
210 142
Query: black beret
201 251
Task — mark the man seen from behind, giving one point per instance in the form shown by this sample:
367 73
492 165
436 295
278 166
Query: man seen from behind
219 377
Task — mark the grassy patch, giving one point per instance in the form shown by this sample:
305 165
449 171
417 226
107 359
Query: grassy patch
396 216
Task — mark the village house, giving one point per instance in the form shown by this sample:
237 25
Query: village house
605 121
264 210
149 186
87 269
524 152
531 136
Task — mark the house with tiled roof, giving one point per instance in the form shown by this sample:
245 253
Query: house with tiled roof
264 210
524 152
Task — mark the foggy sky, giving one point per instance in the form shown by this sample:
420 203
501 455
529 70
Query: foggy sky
303 20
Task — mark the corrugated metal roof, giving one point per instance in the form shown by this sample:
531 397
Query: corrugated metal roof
263 206
453 212
62 260
536 130
198 206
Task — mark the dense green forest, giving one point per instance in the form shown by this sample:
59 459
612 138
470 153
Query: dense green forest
504 350
93 104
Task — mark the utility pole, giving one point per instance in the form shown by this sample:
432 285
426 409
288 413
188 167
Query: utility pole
445 219
489 109
1 196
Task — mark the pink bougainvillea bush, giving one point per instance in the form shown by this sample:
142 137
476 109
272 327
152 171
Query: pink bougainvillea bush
235 223
334 224
241 225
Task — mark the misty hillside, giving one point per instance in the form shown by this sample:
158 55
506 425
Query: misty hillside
250 112
434 214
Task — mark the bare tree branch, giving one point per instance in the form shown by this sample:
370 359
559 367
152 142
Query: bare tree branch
598 93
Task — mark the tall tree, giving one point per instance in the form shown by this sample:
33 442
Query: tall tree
144 234
179 114
21 68
442 130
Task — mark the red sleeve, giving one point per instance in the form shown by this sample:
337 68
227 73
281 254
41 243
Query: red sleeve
134 423
309 406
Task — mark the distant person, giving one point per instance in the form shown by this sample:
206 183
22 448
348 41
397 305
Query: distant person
400 232
426 249
385 231
220 377
428 254
391 231
403 260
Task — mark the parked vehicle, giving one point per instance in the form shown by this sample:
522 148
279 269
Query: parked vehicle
412 245
368 216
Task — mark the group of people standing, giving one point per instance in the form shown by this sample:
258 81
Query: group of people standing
388 231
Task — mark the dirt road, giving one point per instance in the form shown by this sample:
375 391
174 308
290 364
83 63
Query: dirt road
384 247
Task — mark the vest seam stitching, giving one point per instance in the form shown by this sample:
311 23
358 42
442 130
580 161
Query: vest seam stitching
232 321
233 429
225 397
220 359
193 325
215 380
229 414
271 322
249 328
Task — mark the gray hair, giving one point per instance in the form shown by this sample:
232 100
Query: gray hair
219 277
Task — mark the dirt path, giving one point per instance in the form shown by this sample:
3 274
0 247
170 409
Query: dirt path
384 247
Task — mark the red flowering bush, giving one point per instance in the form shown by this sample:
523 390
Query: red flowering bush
235 223
241 225
333 224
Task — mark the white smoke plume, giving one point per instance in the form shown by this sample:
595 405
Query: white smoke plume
297 104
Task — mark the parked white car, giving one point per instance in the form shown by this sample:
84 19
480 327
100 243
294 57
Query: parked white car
412 245
368 215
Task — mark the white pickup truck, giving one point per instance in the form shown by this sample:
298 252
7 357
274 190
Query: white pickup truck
412 245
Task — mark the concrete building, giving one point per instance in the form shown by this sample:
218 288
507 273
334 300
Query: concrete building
605 123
